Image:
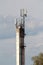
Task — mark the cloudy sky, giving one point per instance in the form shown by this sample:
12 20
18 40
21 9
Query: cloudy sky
9 11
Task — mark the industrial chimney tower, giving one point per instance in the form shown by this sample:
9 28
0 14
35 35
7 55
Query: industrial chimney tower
20 34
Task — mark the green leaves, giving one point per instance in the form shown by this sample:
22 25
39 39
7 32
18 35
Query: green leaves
38 60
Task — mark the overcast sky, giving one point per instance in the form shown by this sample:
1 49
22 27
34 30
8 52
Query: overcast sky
9 11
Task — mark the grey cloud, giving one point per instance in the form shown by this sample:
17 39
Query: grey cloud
7 27
33 25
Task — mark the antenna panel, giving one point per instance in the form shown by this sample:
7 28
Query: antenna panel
23 12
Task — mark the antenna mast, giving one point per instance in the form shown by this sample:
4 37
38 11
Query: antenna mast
20 34
23 14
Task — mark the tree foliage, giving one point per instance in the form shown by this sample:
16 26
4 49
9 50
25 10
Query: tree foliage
38 60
